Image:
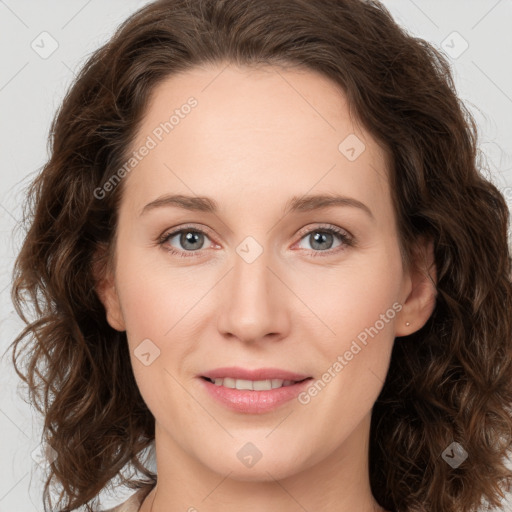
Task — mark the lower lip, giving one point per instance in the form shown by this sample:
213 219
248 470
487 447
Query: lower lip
254 402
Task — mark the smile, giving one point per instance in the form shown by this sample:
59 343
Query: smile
254 385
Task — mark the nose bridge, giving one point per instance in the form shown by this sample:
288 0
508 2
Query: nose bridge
251 280
253 305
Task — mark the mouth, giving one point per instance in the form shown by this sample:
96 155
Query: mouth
253 385
253 391
250 396
258 379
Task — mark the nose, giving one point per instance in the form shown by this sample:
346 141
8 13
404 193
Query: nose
254 302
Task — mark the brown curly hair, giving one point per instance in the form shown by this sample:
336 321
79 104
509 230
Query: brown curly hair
449 381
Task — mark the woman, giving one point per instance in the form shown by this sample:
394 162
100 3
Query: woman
339 337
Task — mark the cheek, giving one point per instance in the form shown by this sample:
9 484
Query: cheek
353 297
360 305
153 295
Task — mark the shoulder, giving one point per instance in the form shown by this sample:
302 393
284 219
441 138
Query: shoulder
133 503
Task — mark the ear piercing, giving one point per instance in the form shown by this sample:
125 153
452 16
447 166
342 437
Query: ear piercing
407 324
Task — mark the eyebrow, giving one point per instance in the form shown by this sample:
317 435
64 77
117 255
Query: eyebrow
295 204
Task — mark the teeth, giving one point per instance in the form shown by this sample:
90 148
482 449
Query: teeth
255 385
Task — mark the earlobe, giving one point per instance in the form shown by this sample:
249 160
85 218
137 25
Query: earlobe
421 299
107 293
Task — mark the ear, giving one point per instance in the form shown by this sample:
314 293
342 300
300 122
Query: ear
419 289
106 289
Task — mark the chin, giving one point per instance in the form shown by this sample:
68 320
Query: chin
274 466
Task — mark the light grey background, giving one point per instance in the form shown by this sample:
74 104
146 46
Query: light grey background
33 83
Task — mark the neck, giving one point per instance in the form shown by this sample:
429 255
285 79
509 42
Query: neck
337 483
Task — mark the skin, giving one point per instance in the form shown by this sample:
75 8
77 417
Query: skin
256 138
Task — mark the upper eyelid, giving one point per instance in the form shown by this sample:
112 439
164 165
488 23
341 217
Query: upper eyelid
325 226
173 232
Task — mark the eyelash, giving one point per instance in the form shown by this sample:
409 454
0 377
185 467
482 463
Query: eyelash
346 240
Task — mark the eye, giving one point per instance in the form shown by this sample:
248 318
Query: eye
321 240
190 239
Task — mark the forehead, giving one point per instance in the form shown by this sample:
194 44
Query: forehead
254 131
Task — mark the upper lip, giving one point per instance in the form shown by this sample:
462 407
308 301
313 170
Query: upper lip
236 372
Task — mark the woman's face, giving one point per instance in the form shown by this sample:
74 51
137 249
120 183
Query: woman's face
257 280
